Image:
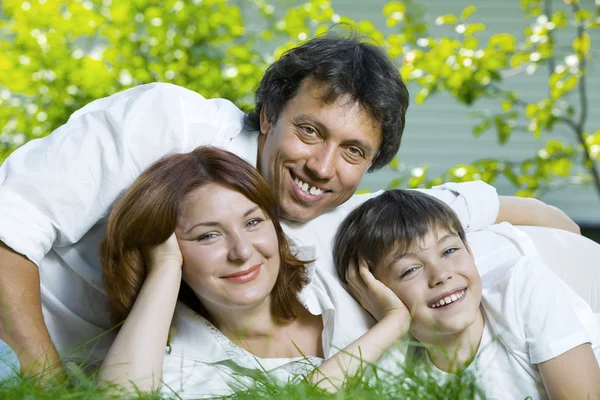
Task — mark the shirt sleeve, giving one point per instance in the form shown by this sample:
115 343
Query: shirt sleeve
550 324
476 203
54 189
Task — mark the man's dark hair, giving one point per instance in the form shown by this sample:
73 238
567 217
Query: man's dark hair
395 220
350 66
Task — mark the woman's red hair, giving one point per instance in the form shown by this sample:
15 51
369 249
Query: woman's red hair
147 214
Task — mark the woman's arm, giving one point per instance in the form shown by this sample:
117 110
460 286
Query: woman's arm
394 321
135 359
574 374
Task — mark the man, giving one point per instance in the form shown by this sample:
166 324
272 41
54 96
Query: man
326 112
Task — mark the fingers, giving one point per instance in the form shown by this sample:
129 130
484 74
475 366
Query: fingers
356 285
366 275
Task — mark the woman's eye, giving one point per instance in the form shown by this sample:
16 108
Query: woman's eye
206 236
254 222
449 251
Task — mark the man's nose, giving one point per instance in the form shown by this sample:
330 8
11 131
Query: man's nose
321 162
240 248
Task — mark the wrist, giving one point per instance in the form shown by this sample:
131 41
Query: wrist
397 322
166 270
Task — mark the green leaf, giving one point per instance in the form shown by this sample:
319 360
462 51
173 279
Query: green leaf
394 7
560 19
474 28
581 44
448 19
570 83
582 15
467 12
503 41
531 110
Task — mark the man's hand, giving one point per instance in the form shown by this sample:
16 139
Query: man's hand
529 211
373 295
22 324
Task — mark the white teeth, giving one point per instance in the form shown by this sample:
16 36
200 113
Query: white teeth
308 189
448 299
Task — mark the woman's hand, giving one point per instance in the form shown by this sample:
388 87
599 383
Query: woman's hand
372 294
166 254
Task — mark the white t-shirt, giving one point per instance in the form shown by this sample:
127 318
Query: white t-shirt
529 319
202 362
56 192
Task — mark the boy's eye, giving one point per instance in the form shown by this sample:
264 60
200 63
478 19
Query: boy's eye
409 272
449 251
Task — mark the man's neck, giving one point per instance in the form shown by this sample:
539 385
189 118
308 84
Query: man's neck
451 353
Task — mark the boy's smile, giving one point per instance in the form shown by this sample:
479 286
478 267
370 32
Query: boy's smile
439 283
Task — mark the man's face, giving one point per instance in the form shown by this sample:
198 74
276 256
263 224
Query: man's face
315 154
438 282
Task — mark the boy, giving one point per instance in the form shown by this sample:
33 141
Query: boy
409 259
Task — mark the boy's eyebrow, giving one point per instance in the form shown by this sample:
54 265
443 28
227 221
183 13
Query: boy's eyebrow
447 236
400 256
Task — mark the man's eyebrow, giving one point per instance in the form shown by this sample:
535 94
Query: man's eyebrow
214 223
322 128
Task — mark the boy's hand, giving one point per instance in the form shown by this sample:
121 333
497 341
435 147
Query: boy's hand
373 295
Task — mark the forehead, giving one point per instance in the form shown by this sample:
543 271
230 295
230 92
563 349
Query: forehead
213 201
418 245
343 112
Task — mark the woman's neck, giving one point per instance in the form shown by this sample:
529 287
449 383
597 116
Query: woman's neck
451 353
241 323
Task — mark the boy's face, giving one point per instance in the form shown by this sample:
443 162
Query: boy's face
439 283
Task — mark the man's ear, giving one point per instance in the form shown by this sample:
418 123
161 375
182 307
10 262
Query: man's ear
265 125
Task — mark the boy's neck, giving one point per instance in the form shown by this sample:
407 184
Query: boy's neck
451 353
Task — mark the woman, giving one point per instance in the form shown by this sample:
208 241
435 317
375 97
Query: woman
203 227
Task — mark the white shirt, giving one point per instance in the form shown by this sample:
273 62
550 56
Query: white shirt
529 319
56 192
202 362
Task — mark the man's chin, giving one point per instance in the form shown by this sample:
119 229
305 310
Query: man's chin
299 214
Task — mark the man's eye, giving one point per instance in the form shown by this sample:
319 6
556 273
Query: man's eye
355 152
308 130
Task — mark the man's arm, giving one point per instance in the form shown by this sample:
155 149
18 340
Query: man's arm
572 375
529 211
21 321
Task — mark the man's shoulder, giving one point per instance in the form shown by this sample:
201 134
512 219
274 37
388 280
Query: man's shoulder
171 96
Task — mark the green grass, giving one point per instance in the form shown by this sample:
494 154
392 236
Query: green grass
371 383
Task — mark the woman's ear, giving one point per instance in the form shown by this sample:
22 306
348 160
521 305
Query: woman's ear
265 125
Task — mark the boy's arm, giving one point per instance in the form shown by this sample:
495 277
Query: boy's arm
530 211
21 321
572 375
394 322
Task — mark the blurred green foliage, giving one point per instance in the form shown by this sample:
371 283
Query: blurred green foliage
58 55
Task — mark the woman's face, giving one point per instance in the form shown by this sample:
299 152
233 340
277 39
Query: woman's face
229 247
